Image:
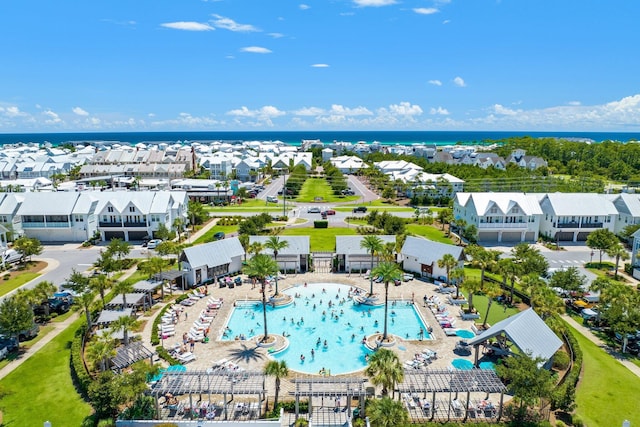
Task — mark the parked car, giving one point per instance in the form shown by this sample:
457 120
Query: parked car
330 212
219 235
407 276
152 244
272 199
11 256
313 210
362 209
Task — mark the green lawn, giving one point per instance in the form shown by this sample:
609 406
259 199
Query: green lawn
257 205
319 187
608 393
383 208
208 236
497 312
7 286
430 232
321 239
41 390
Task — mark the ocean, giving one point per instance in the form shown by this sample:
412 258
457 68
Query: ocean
295 137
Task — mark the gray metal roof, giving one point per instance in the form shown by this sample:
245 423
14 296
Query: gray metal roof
54 203
108 316
298 245
350 245
592 204
527 331
213 254
428 251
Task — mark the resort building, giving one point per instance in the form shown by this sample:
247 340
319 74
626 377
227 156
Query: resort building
628 207
294 257
500 217
205 263
421 256
352 257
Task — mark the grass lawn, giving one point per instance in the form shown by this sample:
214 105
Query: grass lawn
430 232
384 208
41 390
319 187
321 239
257 205
20 277
208 236
607 393
497 312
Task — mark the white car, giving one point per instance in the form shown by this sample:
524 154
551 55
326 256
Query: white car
152 244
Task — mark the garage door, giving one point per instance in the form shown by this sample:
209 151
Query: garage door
564 236
108 235
137 235
489 236
582 236
510 236
530 236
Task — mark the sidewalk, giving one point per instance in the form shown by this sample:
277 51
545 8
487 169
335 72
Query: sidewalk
586 332
57 329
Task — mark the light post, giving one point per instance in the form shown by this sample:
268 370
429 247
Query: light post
284 193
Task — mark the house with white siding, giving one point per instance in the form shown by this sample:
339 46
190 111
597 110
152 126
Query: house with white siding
421 256
295 257
352 257
205 263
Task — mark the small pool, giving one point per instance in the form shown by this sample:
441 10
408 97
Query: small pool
487 365
466 334
310 322
462 364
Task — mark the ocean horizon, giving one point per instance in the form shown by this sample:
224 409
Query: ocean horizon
296 137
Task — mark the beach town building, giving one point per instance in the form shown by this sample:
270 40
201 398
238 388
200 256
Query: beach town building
421 256
209 261
294 257
352 257
348 164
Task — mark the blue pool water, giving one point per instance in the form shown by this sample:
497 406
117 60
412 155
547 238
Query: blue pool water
462 364
463 333
344 351
487 365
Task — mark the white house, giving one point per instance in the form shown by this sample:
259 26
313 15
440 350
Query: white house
294 257
204 263
352 257
628 207
572 216
500 217
421 256
348 164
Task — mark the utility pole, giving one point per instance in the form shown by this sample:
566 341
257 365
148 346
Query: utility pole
284 194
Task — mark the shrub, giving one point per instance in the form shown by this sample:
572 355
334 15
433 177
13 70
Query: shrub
560 424
320 224
577 421
7 276
561 360
155 339
78 371
164 354
301 422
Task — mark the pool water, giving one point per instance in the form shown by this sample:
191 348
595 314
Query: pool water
462 364
342 326
466 334
487 365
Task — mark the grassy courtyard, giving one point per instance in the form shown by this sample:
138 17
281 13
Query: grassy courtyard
319 187
14 279
321 239
430 232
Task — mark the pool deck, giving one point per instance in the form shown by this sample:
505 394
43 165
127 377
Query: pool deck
248 355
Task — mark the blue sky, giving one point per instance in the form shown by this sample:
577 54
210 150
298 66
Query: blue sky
115 65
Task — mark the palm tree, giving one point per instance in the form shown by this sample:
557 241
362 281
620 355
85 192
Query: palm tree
178 226
42 292
447 262
618 252
510 270
255 248
86 298
387 412
276 245
154 266
261 266
472 286
388 252
546 303
126 324
278 370
491 290
244 241
373 245
389 271
385 369
457 277
101 350
124 287
482 258
100 284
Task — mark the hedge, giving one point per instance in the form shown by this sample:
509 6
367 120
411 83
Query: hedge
164 354
564 395
320 224
78 370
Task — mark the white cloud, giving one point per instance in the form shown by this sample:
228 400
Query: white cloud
187 26
52 117
342 110
446 21
79 111
268 111
458 81
231 25
255 49
438 111
13 111
304 6
425 10
309 111
374 3
435 82
405 109
503 111
320 65
574 103
276 35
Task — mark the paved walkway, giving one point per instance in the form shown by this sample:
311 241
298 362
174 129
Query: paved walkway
586 332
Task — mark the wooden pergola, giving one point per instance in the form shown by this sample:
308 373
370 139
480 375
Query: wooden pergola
329 387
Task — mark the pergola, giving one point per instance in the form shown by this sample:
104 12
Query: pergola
452 381
211 382
331 387
130 354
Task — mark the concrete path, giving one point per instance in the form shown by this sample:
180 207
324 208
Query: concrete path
586 332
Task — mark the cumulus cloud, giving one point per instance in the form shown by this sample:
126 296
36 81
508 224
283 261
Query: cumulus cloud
267 111
12 111
435 82
52 117
276 35
459 81
574 103
188 26
231 25
346 111
255 49
79 111
425 10
374 3
405 109
304 6
309 111
320 65
438 111
503 111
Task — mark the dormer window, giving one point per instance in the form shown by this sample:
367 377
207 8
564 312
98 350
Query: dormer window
109 208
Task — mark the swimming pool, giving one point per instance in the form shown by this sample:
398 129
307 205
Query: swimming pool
309 322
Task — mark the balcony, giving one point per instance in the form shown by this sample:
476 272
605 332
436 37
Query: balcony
502 225
578 225
122 224
46 225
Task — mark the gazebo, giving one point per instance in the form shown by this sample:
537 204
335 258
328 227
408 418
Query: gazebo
130 354
108 316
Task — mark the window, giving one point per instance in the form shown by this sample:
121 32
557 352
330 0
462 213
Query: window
493 210
109 208
78 218
515 210
132 208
